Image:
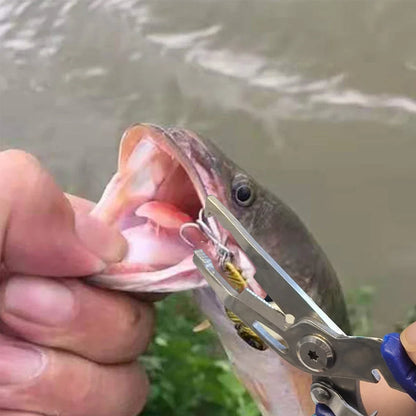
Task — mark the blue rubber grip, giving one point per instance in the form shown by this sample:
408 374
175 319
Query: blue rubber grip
322 410
399 363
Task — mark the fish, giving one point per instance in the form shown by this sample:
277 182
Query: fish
155 197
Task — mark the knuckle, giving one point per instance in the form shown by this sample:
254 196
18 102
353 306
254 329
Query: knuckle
136 329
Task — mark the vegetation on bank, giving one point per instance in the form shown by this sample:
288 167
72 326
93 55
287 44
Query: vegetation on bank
189 372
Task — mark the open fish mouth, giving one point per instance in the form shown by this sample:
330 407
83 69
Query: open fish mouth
158 190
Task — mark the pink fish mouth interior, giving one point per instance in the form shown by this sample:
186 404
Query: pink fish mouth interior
156 190
149 199
166 200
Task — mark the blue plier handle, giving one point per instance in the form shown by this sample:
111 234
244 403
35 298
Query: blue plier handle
399 363
300 332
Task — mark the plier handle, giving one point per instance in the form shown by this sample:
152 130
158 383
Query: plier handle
300 331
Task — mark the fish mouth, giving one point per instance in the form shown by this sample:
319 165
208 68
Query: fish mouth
157 190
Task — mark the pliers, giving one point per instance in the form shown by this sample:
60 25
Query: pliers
300 332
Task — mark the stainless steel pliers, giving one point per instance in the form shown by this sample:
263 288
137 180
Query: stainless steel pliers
301 332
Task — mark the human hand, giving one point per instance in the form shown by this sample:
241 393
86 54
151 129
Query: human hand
399 352
66 347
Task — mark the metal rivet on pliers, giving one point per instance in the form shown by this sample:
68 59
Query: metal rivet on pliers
315 353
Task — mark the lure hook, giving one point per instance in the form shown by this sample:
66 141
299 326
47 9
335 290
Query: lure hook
200 224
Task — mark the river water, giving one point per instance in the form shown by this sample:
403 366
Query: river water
315 98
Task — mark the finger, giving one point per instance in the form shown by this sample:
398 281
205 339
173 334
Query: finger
38 232
377 396
408 339
51 382
99 324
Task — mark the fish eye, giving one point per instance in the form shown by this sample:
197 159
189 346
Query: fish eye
243 192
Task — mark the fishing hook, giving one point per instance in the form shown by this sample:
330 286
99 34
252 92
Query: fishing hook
200 224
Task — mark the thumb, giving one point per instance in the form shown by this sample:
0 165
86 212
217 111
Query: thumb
38 231
408 339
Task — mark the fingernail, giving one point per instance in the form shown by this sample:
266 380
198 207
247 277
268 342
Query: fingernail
40 300
101 239
408 338
19 364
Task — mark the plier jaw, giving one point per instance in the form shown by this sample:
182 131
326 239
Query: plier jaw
299 331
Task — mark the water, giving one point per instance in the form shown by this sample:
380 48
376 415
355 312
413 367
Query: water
316 98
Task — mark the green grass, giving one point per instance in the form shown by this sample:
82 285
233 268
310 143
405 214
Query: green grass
189 372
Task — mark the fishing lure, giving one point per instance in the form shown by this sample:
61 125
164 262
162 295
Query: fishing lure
232 274
237 281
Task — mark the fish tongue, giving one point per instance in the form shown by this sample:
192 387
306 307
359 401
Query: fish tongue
163 214
157 240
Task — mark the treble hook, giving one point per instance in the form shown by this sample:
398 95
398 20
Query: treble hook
200 224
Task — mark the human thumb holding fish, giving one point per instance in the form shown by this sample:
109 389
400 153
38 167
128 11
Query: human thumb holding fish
66 347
